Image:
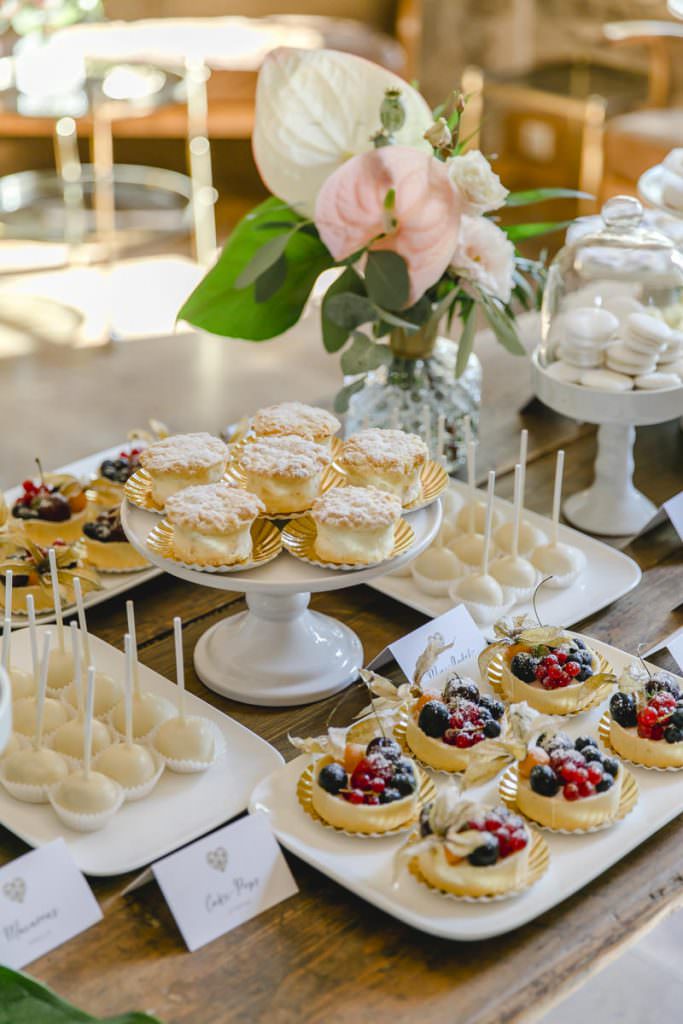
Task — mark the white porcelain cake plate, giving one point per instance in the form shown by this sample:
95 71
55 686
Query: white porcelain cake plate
181 807
365 866
608 574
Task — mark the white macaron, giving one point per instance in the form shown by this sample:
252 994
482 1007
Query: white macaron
623 359
564 372
647 333
606 380
658 381
672 190
673 161
590 324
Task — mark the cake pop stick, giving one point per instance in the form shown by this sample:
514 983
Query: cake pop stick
517 509
6 641
515 574
180 665
562 563
130 618
56 597
78 670
32 636
527 536
489 523
87 732
60 672
471 472
128 691
480 592
42 686
557 493
9 576
85 639
107 690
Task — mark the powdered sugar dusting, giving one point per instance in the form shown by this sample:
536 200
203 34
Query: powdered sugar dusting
362 507
213 508
288 457
184 452
391 450
296 418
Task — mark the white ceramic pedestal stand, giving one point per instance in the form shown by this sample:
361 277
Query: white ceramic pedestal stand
279 652
611 505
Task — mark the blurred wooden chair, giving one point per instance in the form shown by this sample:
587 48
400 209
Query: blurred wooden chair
637 139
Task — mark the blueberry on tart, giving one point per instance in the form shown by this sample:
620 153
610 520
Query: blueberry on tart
442 728
646 718
107 547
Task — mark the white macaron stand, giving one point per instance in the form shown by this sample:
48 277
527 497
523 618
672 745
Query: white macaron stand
278 652
627 254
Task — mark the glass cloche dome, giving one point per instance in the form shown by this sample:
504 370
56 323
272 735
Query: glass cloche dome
603 274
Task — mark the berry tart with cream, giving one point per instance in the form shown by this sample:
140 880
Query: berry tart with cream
107 547
442 728
469 850
31 573
114 473
54 508
645 719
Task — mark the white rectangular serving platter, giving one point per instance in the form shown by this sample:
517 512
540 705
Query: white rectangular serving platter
608 574
113 584
364 866
180 808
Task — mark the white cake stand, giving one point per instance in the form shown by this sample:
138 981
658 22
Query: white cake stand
611 505
279 652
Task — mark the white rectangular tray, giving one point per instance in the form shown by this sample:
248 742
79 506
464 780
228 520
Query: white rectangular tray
181 807
608 574
113 584
364 866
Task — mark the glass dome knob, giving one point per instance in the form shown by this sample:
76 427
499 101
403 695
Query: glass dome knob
622 213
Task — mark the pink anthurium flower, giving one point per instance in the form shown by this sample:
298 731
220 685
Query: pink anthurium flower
395 198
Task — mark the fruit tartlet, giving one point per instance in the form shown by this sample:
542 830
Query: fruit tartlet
114 474
568 784
367 789
107 547
442 728
646 719
468 849
55 508
555 672
30 567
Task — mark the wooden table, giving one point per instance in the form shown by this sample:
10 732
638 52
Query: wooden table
325 955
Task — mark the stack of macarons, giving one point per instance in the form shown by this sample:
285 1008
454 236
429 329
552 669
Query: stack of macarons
599 350
672 181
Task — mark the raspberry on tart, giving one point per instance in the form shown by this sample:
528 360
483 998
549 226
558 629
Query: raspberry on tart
646 719
442 728
371 789
54 508
568 784
106 545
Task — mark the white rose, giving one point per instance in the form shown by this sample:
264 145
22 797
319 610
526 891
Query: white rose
317 108
479 185
485 256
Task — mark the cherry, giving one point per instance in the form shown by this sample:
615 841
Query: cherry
54 508
571 791
586 789
648 716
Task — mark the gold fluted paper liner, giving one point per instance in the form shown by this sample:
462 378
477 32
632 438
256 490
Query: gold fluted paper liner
298 537
138 490
266 540
330 478
434 480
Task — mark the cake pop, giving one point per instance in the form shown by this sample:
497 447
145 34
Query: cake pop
472 516
434 570
86 800
562 563
186 743
516 575
25 710
23 683
481 594
148 709
469 546
61 668
27 774
68 739
528 536
107 690
135 767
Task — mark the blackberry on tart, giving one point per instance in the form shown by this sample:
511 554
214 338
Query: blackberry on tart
107 547
114 472
646 719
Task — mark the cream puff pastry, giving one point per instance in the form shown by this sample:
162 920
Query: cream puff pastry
212 523
295 419
355 525
284 472
183 460
390 460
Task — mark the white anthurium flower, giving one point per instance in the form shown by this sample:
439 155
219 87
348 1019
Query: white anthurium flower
485 256
317 108
478 184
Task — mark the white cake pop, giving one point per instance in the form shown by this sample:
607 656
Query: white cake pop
107 689
149 710
28 773
516 575
25 710
472 516
469 546
187 744
135 767
562 563
69 738
86 800
528 536
61 668
23 684
481 594
434 570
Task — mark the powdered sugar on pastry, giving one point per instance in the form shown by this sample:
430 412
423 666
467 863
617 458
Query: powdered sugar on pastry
387 450
213 508
295 418
184 453
288 457
357 507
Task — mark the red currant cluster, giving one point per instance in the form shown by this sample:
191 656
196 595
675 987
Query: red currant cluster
465 726
654 718
577 776
32 492
556 670
508 829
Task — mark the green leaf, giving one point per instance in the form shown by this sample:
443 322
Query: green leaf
271 280
349 310
219 306
519 232
335 336
341 404
466 342
25 1001
269 253
386 279
542 195
395 321
502 325
364 355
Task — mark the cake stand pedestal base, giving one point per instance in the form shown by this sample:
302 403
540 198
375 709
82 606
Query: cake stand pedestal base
611 505
278 653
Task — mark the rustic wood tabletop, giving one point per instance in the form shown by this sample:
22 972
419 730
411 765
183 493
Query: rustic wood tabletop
325 955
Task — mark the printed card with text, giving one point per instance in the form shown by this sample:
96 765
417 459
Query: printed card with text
675 645
458 628
44 902
674 510
224 879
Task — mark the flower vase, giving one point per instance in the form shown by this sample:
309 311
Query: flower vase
418 392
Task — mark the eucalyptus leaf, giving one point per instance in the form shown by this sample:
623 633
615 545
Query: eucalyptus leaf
341 404
542 195
271 280
395 321
503 325
269 253
466 342
334 335
364 354
386 279
25 1001
520 232
349 310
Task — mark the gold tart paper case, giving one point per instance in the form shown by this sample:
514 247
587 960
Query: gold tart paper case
298 537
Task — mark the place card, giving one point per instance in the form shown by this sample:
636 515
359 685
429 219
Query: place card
457 627
224 879
675 645
44 902
674 510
